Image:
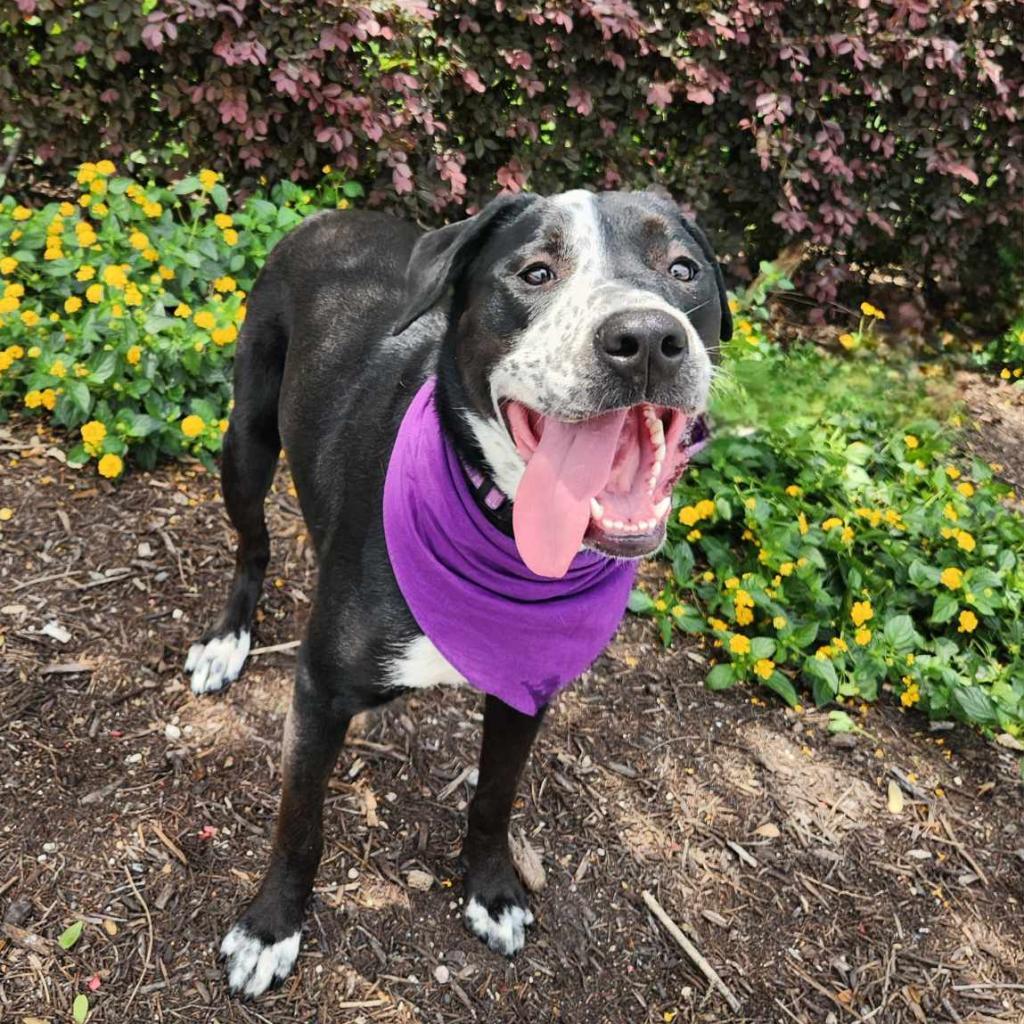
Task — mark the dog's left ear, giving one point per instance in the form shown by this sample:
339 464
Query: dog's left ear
440 256
709 254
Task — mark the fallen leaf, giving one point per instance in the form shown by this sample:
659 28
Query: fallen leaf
80 1008
895 800
768 831
70 935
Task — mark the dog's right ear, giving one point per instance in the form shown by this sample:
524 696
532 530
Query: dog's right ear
440 256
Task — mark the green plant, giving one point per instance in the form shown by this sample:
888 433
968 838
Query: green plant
119 311
830 535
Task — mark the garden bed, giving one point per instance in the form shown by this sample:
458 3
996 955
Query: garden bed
144 811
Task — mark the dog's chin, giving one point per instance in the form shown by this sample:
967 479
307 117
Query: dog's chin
626 546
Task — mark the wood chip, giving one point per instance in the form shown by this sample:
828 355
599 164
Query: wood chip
421 881
895 800
528 863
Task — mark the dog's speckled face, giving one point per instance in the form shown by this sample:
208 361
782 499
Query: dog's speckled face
584 329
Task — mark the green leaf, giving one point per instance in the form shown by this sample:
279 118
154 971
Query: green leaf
666 631
822 691
944 608
783 687
143 425
721 677
840 721
186 186
352 189
975 704
803 635
922 575
80 1008
723 508
639 603
762 647
900 632
821 668
682 562
70 935
77 392
219 195
78 456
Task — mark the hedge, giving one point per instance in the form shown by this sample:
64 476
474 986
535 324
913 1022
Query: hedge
886 133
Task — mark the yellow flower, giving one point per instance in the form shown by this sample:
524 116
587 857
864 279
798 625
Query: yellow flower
35 352
1004 373
33 399
105 167
58 369
14 290
29 317
911 442
115 276
208 179
848 341
965 541
688 515
705 508
133 355
132 296
786 569
863 636
966 489
138 240
225 284
951 577
677 610
708 576
910 696
801 522
691 536
968 622
861 612
9 303
93 432
868 310
744 616
950 512
739 644
84 200
779 622
734 306
847 535
953 473
204 319
165 272
94 293
117 311
15 351
8 265
223 220
97 187
49 398
839 644
831 523
21 213
222 426
183 310
718 624
659 605
110 466
764 667
793 491
732 583
151 209
192 426
85 273
226 335
823 653
231 236
86 173
72 304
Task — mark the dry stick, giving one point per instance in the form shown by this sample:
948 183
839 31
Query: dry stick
149 943
691 951
275 648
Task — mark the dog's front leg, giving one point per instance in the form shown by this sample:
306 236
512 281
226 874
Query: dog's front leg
261 949
496 905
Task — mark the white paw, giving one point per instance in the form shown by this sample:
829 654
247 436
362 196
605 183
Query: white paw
504 934
216 663
253 966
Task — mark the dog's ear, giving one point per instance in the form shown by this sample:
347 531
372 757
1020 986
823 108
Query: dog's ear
709 254
440 256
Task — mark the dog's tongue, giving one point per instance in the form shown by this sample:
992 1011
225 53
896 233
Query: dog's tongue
570 466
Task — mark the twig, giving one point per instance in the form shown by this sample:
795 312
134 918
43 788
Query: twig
964 852
818 987
691 951
149 941
275 648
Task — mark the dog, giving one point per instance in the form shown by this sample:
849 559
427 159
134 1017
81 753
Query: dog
481 418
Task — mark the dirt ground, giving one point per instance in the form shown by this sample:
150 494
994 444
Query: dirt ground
145 812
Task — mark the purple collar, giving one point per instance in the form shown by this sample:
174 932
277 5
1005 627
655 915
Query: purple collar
511 633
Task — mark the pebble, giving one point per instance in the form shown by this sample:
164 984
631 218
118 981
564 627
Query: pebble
172 732
441 974
49 847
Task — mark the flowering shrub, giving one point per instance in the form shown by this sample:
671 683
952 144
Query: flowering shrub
119 311
1005 353
887 133
828 535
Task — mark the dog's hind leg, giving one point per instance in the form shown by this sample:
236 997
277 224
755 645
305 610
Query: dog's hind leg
251 447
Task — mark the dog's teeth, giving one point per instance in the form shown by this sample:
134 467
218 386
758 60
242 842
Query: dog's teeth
656 469
657 434
618 524
596 509
661 509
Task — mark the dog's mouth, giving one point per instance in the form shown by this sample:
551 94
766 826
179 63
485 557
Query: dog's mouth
606 481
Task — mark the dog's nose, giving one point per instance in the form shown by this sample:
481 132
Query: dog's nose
646 346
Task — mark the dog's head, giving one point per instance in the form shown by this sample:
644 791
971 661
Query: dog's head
582 332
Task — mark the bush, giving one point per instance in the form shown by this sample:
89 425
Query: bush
828 536
885 134
119 311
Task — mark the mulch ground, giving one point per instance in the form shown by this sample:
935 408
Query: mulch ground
145 812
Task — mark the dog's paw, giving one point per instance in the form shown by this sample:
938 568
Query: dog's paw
500 923
216 662
252 965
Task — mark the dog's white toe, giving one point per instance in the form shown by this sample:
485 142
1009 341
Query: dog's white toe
506 933
253 966
217 662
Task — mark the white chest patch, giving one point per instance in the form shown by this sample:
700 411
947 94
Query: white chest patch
420 664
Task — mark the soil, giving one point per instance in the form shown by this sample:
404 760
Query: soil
145 812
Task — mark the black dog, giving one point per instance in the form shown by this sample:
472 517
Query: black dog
534 311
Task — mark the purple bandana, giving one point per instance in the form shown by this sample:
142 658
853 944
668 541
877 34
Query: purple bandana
511 633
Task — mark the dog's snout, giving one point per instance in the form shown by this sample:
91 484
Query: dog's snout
646 346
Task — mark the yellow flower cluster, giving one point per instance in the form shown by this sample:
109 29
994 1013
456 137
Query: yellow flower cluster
861 612
873 311
690 515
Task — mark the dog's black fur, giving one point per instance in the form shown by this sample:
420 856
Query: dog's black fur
347 319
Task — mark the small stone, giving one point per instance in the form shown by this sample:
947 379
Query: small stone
172 732
419 880
441 974
50 847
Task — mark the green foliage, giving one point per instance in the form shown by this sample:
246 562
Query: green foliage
830 535
119 311
1005 353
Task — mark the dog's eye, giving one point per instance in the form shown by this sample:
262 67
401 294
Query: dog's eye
537 274
683 269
